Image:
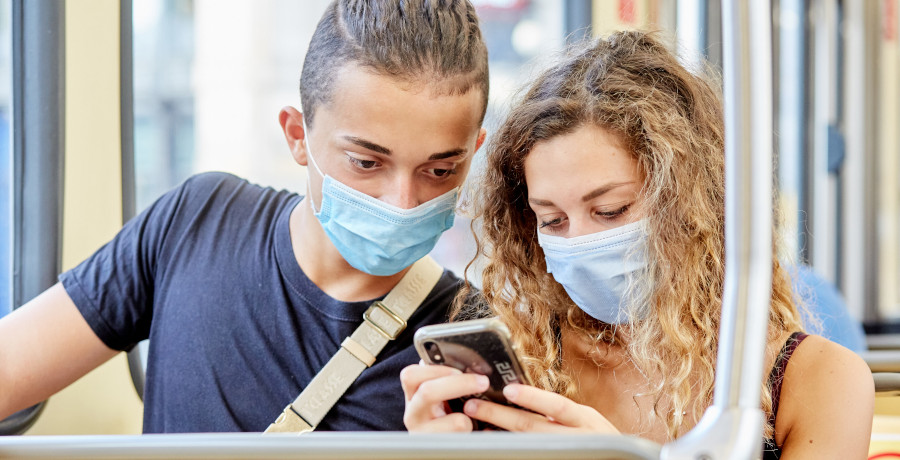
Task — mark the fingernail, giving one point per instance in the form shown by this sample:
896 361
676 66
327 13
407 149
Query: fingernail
471 407
483 382
438 411
511 392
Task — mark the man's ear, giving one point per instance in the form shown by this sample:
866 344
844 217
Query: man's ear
481 136
291 121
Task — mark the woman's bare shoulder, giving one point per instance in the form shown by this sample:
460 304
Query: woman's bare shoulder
826 403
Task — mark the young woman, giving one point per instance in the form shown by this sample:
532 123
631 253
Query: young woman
603 222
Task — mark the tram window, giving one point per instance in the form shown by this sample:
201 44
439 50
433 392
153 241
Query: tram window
6 169
888 166
163 103
209 82
653 14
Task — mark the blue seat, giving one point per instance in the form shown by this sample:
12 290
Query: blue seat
824 301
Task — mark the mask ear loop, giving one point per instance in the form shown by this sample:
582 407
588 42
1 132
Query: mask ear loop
313 161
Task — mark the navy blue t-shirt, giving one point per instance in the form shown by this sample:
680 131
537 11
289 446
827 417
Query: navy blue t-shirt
237 330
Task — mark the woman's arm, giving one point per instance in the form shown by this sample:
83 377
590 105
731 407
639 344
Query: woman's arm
827 403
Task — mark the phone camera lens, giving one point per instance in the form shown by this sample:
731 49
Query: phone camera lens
434 352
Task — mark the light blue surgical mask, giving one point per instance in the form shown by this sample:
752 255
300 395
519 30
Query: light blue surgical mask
596 269
376 237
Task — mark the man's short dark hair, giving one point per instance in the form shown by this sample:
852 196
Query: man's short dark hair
434 41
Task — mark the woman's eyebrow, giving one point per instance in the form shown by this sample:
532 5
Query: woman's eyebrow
603 189
587 197
540 202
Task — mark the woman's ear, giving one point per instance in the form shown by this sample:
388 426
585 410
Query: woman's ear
291 121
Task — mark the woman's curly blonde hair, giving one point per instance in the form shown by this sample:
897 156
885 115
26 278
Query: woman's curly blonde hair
631 85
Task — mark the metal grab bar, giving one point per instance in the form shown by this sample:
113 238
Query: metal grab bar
343 446
732 427
887 384
882 360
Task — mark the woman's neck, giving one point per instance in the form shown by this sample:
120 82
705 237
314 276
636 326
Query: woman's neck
609 381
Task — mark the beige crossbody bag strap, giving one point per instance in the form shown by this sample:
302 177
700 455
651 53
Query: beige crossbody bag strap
382 322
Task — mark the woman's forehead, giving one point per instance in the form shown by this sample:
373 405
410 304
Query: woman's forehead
589 154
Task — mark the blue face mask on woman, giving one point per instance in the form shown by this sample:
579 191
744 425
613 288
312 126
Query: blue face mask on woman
595 269
376 237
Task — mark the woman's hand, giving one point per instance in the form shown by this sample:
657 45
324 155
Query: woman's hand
552 413
427 388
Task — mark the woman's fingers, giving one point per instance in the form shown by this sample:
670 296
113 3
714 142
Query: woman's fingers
412 376
551 412
510 418
455 422
556 407
428 387
439 383
450 387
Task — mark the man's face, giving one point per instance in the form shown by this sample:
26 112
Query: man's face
398 142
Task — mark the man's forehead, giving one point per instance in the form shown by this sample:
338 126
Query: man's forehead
388 116
356 84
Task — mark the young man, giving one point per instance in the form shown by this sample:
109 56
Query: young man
246 292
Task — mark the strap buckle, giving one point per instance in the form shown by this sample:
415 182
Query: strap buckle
382 328
289 422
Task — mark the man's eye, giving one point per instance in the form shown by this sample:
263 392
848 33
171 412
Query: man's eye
443 172
363 164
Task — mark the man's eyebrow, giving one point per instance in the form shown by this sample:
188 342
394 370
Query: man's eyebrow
447 154
368 145
386 151
601 190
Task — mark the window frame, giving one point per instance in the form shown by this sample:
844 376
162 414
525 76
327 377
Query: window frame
38 100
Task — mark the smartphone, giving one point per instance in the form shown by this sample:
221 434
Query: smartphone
481 346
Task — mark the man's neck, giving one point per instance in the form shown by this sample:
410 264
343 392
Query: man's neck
324 265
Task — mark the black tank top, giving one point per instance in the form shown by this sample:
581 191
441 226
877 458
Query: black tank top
771 451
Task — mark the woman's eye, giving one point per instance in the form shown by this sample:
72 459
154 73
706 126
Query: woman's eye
615 213
362 164
551 223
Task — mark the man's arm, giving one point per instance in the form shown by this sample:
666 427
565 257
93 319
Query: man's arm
44 346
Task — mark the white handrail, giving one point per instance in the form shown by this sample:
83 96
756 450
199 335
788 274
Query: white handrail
343 446
732 427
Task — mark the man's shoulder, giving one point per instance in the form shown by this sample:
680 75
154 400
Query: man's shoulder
228 191
210 205
447 286
449 291
216 182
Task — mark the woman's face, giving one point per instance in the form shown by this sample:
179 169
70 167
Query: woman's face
583 182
